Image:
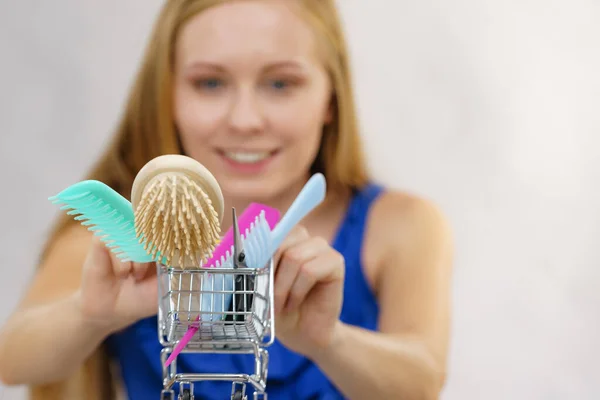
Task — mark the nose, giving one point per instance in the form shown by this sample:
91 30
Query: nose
245 115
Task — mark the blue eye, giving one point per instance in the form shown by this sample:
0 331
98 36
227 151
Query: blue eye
209 83
279 84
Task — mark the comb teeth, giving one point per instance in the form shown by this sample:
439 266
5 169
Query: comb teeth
258 243
256 240
101 211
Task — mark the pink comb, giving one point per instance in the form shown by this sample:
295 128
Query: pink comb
249 216
245 220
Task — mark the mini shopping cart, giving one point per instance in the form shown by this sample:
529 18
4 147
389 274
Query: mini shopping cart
230 311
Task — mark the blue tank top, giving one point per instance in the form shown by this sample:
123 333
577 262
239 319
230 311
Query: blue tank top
290 375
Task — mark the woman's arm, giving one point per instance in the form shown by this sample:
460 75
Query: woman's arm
46 338
406 359
80 295
365 364
46 342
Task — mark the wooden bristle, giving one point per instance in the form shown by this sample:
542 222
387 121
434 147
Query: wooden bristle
176 218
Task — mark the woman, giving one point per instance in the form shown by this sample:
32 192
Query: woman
259 92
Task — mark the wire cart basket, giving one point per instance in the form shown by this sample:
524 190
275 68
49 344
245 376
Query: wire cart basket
230 309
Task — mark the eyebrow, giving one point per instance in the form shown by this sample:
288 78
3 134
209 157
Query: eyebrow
204 64
269 67
285 64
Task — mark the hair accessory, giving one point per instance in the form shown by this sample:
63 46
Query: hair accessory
106 213
264 243
178 208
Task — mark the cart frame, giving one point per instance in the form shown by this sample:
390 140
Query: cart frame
231 310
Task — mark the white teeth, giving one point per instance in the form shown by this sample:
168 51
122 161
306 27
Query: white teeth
249 158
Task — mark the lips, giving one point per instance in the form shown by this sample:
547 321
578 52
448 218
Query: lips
247 156
246 162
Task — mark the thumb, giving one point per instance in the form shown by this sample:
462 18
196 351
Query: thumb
142 270
97 258
102 263
276 258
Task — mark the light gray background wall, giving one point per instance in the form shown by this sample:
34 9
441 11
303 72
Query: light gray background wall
490 107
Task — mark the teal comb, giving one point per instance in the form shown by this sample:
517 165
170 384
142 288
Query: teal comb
106 213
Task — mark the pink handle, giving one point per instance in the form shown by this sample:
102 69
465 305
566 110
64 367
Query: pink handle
182 343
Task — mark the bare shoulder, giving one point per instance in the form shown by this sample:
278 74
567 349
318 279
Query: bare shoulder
60 272
402 228
409 250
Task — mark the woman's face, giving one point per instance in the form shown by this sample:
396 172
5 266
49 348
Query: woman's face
251 96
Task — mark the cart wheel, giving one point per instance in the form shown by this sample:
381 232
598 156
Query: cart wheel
186 394
167 396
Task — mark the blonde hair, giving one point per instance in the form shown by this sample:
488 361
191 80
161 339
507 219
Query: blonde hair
147 130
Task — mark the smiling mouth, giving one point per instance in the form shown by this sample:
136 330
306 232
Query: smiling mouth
247 157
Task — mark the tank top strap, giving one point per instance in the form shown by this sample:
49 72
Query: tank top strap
350 235
360 305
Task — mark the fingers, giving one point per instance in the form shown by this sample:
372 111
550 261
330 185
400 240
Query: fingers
297 235
100 262
105 262
318 270
108 264
285 276
304 262
124 269
121 269
140 271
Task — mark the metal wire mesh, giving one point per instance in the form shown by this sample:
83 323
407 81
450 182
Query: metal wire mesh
227 306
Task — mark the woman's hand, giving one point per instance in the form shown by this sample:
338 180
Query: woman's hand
113 293
309 280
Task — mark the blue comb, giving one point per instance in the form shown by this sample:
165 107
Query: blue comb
106 213
261 243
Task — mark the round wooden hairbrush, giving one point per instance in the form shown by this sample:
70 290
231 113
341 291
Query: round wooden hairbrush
178 207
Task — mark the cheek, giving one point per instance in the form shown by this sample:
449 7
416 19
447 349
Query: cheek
196 120
301 125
